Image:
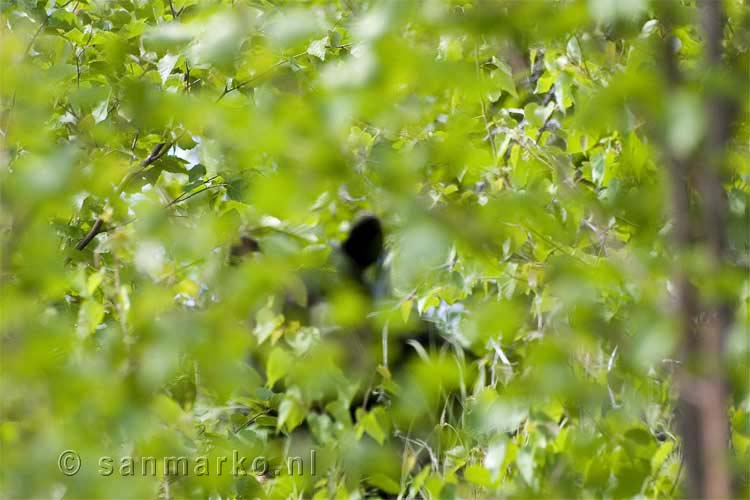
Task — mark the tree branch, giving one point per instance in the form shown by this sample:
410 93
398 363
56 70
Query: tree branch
157 152
703 418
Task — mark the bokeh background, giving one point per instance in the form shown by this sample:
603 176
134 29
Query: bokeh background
518 155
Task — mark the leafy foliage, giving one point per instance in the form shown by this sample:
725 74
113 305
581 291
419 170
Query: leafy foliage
513 150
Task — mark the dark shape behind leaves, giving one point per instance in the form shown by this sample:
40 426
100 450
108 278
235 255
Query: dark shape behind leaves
243 247
364 245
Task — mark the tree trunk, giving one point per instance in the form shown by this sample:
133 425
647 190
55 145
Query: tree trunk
704 321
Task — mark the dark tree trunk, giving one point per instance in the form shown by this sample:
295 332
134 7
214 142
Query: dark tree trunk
704 321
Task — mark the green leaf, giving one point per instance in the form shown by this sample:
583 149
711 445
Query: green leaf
165 66
100 111
405 308
640 436
317 48
167 409
291 412
369 423
384 483
478 475
279 362
525 464
503 78
661 455
90 315
93 282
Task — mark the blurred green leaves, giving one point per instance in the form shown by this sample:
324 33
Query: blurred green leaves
512 151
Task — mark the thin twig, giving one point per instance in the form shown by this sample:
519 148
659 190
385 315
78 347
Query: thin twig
171 8
95 229
258 76
186 193
187 77
42 26
547 98
176 201
583 59
487 127
252 420
78 68
157 152
553 244
36 34
677 476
